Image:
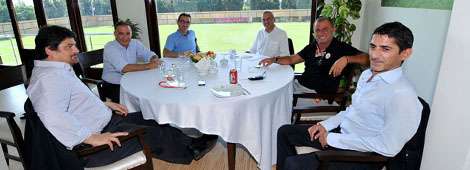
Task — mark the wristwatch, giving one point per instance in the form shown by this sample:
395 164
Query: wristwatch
275 59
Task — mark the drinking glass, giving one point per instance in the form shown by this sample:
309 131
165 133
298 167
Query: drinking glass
232 54
238 63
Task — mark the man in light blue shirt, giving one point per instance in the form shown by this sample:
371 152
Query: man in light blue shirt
120 56
384 114
183 41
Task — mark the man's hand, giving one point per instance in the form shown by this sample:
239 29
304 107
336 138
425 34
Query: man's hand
317 131
267 61
338 66
105 139
154 63
187 53
119 108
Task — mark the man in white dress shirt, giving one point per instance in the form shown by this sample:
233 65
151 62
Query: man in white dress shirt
120 56
270 41
384 114
74 115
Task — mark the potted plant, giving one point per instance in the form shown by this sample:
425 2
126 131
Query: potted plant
134 27
341 12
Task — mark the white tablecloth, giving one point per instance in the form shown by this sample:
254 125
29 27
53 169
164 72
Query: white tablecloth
250 120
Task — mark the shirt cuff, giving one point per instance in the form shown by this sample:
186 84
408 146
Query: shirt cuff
333 139
83 134
328 124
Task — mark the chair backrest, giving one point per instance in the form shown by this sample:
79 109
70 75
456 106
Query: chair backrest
16 140
409 158
27 56
11 76
291 50
341 96
197 46
291 46
88 59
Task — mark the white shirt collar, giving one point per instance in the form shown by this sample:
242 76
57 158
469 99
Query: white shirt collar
274 29
54 64
389 76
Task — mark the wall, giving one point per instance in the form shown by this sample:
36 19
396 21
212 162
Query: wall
429 28
448 138
135 11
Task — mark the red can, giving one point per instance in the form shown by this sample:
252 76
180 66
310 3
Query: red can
233 76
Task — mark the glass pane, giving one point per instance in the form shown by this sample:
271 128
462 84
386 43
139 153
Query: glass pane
56 12
221 25
97 22
9 54
27 23
9 51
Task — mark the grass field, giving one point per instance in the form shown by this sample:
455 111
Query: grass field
215 37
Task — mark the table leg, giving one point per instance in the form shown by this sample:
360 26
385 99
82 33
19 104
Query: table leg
231 153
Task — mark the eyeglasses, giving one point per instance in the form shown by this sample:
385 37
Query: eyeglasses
184 22
268 19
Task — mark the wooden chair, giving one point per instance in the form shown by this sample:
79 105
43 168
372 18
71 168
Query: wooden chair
89 74
340 97
11 76
28 56
14 139
291 50
39 141
409 158
10 132
197 46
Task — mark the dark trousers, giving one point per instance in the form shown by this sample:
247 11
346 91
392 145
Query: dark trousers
111 91
166 142
289 136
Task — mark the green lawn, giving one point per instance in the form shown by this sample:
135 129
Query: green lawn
215 37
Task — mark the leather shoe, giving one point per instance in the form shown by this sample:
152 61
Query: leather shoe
202 145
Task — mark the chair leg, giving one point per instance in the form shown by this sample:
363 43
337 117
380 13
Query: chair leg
148 155
297 118
5 153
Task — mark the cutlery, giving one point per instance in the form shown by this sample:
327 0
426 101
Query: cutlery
245 91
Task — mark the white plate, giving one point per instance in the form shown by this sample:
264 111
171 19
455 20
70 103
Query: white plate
227 91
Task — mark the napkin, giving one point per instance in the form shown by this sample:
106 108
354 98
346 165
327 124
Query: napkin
172 84
221 93
228 91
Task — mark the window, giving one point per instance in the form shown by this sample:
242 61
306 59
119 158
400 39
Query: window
56 13
97 22
221 25
9 54
27 24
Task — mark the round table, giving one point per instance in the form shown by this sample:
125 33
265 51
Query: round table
250 120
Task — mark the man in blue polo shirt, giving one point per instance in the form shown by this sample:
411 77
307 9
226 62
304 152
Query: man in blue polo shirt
183 41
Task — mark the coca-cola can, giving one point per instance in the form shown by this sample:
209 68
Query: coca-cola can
233 76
